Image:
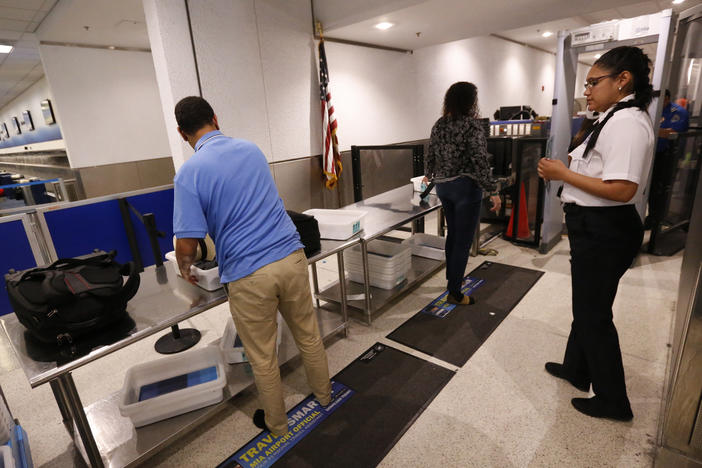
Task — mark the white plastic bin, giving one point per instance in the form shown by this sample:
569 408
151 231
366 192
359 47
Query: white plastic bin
337 224
388 263
207 279
171 402
419 186
426 245
6 458
232 349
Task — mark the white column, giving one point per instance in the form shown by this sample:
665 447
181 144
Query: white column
172 52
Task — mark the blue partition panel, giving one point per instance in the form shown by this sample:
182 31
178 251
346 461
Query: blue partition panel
16 253
78 230
161 205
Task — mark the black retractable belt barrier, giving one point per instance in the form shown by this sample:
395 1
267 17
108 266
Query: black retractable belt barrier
178 340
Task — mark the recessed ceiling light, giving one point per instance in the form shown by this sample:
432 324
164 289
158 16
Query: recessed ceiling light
5 49
598 55
384 25
547 34
677 2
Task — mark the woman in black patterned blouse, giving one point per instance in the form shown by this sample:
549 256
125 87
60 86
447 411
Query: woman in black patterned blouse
458 162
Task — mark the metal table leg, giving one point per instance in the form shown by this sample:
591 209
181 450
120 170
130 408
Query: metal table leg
62 404
476 240
441 223
81 421
315 283
366 281
342 291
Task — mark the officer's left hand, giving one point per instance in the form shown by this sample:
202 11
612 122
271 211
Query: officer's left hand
551 169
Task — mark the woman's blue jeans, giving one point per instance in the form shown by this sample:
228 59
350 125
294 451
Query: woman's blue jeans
461 199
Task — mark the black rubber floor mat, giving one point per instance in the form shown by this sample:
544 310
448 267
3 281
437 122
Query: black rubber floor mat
455 337
391 389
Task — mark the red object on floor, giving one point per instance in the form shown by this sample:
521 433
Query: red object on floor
523 230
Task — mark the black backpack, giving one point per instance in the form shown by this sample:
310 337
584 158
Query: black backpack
72 296
308 228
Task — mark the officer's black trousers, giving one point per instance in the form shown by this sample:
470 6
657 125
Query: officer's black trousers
603 243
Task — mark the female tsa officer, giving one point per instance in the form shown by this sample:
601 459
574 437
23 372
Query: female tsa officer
607 176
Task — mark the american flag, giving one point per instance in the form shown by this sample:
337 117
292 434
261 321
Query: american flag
331 160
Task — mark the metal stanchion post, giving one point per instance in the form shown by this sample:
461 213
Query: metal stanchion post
81 421
315 282
366 280
342 291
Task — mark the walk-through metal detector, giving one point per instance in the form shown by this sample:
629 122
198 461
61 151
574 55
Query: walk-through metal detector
648 29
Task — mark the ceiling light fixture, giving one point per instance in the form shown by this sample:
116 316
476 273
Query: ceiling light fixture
384 25
677 2
547 34
5 49
598 56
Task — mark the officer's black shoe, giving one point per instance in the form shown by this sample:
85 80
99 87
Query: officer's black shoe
557 370
597 408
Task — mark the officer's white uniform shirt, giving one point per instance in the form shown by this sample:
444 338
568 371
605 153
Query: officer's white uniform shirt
623 152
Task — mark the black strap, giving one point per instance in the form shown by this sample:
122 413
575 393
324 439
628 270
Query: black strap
203 249
597 128
70 262
131 287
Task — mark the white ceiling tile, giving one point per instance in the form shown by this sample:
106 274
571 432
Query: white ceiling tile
24 50
638 9
599 16
26 4
6 34
17 14
13 25
48 5
30 60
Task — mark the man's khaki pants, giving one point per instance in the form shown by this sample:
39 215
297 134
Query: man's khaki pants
254 301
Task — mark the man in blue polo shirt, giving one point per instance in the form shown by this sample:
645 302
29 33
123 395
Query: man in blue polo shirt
226 189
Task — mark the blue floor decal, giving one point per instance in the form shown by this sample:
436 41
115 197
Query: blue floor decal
265 449
440 308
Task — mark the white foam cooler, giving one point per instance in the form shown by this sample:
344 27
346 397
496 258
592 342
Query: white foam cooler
337 224
426 245
175 402
388 263
207 279
232 349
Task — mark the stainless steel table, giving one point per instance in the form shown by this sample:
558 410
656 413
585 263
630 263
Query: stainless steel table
102 435
385 212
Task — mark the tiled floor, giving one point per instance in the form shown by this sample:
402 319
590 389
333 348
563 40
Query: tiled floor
501 409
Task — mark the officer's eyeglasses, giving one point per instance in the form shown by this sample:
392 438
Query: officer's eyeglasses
592 82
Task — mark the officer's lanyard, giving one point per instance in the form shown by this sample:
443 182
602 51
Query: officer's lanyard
208 139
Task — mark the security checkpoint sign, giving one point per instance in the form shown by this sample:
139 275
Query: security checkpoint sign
265 449
440 308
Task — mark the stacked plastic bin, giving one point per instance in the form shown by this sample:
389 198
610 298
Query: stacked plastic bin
388 263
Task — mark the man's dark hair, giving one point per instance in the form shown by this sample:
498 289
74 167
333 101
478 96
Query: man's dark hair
192 113
667 93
